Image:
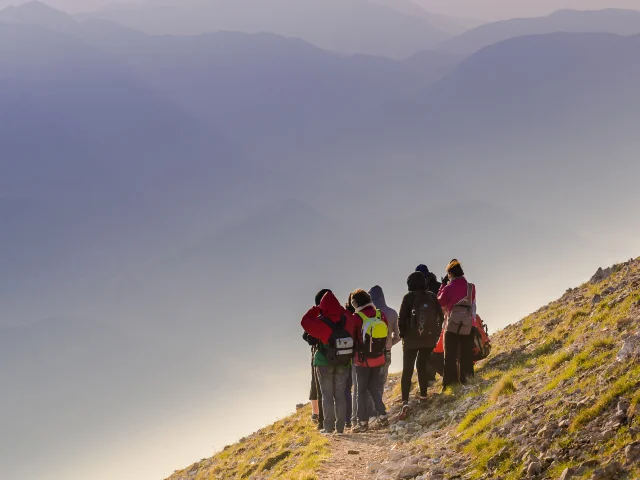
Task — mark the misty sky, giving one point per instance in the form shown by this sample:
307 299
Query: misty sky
480 9
170 204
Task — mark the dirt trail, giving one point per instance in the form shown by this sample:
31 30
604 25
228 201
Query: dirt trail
370 447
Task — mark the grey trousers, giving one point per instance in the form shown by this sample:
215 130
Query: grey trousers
333 383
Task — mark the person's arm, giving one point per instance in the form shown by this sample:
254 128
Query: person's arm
403 316
440 313
474 307
395 336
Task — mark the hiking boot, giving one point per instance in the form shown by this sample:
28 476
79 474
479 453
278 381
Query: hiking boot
361 427
424 400
339 434
383 421
326 432
348 426
405 412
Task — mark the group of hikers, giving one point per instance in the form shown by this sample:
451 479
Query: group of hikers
351 346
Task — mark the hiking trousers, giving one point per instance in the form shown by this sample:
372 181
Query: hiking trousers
458 359
371 409
368 380
418 359
333 383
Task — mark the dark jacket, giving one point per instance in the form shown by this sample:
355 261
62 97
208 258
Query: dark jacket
418 292
433 285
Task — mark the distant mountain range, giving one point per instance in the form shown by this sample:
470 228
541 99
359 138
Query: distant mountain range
347 26
621 22
159 191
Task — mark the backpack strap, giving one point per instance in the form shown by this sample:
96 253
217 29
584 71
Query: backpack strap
468 300
330 324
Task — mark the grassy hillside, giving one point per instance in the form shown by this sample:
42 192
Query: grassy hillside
558 398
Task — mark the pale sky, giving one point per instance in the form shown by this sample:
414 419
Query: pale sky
482 9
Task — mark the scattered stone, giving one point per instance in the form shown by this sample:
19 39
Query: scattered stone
632 452
567 473
608 472
596 299
409 472
373 467
534 468
601 275
353 452
630 348
299 406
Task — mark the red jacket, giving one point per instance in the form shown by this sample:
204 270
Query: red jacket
330 308
369 362
451 294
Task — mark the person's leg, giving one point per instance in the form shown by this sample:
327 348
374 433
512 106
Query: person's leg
408 362
326 377
431 373
348 396
450 360
421 365
466 358
384 373
340 385
373 385
362 380
313 393
354 397
320 403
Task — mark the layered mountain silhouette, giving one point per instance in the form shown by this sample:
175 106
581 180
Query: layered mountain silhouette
160 191
349 26
618 21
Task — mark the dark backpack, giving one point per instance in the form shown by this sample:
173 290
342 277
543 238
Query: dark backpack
425 322
339 350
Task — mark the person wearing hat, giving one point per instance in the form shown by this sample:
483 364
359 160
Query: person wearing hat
458 348
433 285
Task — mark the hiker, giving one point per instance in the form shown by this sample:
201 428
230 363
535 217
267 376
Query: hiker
371 409
377 297
420 324
458 300
481 346
371 342
433 285
335 328
315 394
350 392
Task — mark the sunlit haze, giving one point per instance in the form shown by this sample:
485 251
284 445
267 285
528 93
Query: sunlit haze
179 178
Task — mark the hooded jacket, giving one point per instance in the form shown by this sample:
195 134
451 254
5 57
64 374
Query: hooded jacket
418 291
312 324
377 296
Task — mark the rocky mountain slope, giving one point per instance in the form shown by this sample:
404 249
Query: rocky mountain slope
557 399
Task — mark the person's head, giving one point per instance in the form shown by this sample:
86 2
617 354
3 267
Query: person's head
416 281
360 298
454 269
321 294
423 269
348 305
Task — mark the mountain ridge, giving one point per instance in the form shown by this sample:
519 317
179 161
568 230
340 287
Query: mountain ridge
559 397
